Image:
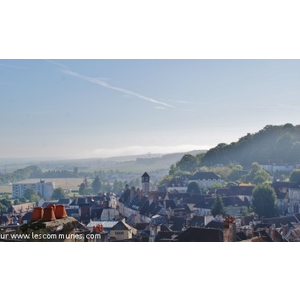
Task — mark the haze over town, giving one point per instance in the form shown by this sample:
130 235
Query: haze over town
103 108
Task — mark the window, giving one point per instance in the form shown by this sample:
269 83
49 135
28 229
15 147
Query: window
119 232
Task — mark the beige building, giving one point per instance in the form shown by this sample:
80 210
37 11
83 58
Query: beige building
122 231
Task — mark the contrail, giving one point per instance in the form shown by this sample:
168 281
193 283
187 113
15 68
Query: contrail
106 85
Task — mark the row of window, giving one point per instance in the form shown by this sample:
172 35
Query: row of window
119 232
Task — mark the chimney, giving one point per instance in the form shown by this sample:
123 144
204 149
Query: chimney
132 193
139 193
284 229
272 232
229 231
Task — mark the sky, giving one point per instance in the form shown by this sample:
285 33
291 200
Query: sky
79 108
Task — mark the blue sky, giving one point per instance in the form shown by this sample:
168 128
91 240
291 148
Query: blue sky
107 107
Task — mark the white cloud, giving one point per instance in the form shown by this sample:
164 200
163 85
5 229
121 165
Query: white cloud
99 81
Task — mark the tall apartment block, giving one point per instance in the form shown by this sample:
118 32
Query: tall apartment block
42 188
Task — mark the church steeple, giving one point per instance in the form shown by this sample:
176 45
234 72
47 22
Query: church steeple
145 183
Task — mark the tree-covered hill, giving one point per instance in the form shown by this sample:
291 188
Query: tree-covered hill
271 144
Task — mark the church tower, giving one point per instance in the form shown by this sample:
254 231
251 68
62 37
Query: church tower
145 183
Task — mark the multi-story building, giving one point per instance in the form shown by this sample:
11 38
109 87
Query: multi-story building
42 188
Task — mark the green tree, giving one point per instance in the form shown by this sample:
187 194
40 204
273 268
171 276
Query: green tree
173 170
58 193
256 174
96 185
35 198
29 194
86 181
82 188
187 163
264 201
283 146
295 175
75 171
3 208
23 200
218 207
235 173
117 186
5 202
193 187
88 191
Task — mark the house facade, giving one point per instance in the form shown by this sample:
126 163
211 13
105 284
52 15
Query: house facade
205 179
122 231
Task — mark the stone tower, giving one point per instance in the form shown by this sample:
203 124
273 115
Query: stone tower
145 183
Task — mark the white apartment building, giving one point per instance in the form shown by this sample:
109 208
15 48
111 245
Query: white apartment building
42 188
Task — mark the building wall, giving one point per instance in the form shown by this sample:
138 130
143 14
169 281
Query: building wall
109 214
206 183
278 168
180 189
121 234
44 189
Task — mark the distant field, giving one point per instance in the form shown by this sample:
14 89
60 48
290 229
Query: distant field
65 183
5 188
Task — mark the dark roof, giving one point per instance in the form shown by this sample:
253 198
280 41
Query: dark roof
204 176
64 201
279 237
71 211
79 201
176 223
196 234
163 227
169 203
215 224
86 205
262 234
279 221
141 226
3 219
97 206
295 185
223 192
158 209
166 236
27 216
206 203
294 235
297 215
158 220
186 208
145 175
281 193
282 184
195 199
241 236
245 190
197 221
121 226
156 195
235 201
137 203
